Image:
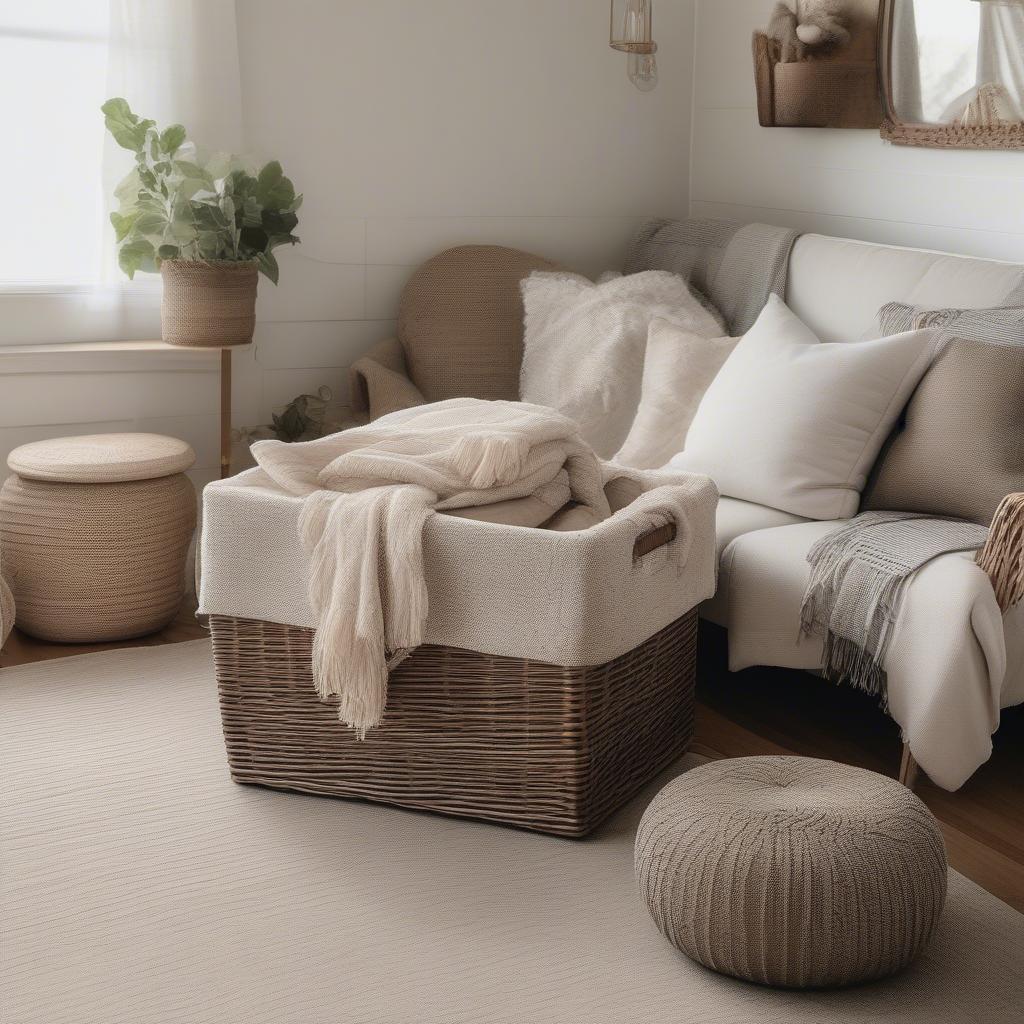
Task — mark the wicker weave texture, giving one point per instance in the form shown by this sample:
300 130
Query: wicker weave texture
461 322
792 872
1002 558
827 94
95 562
208 304
523 743
954 136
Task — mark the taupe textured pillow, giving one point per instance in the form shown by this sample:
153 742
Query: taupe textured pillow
961 450
460 322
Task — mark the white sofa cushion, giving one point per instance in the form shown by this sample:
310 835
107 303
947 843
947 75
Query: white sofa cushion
733 519
679 367
837 285
796 423
949 668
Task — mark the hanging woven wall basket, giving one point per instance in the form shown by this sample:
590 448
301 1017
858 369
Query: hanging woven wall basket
208 304
814 93
820 94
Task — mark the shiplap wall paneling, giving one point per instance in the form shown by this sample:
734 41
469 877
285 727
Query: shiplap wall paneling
847 183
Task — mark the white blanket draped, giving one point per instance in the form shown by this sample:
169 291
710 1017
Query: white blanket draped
368 493
953 662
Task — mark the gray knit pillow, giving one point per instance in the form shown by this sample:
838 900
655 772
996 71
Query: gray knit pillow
960 450
1003 325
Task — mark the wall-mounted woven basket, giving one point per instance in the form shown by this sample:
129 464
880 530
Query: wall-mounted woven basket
815 93
208 304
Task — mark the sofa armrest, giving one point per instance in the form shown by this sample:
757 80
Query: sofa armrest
1002 557
379 382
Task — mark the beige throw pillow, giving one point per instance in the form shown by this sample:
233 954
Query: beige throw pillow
678 368
961 450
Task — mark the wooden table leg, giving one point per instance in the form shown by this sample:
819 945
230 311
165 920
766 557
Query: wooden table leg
225 413
908 768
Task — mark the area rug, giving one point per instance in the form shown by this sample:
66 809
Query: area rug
138 884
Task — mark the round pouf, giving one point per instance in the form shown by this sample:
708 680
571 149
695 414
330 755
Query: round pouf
94 532
792 872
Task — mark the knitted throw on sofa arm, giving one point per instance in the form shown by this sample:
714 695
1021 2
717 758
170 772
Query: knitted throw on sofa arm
1003 555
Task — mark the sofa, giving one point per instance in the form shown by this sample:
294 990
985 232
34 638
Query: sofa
957 653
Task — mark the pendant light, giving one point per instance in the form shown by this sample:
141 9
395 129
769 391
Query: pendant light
631 32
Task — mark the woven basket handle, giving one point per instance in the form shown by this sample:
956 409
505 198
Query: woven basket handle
653 539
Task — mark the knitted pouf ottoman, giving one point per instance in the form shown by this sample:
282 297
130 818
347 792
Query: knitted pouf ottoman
792 872
94 532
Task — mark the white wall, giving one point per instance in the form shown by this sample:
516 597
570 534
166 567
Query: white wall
414 126
410 125
846 183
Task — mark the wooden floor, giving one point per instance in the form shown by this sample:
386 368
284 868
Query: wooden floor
775 711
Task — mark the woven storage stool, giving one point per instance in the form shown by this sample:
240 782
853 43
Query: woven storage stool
94 532
792 872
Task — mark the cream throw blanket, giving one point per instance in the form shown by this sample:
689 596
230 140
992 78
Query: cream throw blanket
368 493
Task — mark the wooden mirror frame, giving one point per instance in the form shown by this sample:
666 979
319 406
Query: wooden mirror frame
909 133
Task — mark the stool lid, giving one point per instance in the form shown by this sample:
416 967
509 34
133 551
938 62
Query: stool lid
102 458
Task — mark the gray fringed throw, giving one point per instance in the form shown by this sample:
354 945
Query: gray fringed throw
858 577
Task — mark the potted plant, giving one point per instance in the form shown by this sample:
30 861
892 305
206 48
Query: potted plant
208 227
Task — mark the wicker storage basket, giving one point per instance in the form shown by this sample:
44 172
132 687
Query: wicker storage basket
555 676
94 533
208 304
827 94
538 746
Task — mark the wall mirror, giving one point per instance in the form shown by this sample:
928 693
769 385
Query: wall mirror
953 73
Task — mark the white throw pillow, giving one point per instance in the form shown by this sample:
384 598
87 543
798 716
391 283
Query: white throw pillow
795 423
678 368
584 345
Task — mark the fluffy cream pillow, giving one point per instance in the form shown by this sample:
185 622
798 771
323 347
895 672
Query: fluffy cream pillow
583 349
794 423
678 369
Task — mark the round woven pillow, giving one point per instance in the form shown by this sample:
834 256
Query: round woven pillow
792 872
460 322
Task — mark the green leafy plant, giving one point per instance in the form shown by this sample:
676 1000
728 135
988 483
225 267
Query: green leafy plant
172 206
303 418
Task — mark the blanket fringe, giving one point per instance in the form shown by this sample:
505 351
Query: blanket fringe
859 574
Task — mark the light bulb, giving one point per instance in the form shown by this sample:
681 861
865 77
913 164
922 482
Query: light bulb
643 70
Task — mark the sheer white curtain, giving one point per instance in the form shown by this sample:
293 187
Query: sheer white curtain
905 66
998 94
172 60
175 61
1001 52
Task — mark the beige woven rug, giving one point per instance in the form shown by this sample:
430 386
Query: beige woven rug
138 885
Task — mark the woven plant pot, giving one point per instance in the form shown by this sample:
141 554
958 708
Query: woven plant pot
208 304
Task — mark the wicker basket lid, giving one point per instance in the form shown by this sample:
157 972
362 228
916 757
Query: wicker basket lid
102 458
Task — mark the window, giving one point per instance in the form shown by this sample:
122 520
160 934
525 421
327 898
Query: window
53 77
